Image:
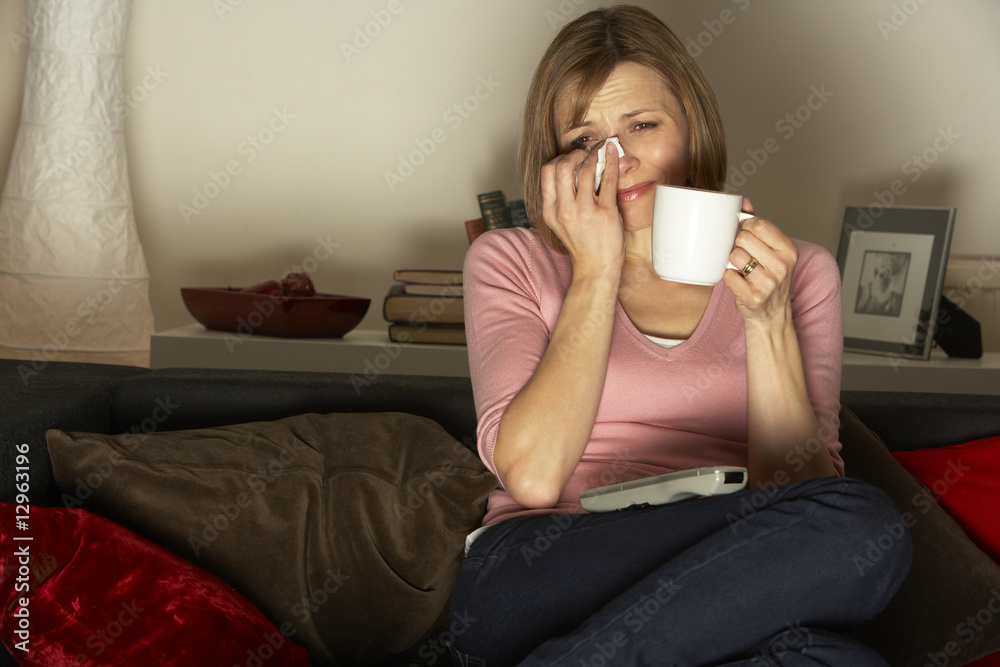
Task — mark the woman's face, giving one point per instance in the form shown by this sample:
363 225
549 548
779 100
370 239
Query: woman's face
636 106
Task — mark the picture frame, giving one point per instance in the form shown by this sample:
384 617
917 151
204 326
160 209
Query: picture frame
892 264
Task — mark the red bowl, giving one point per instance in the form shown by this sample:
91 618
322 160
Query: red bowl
249 313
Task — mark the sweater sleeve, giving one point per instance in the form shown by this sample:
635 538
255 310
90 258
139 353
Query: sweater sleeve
816 308
505 329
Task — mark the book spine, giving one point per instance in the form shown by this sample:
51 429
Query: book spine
444 334
428 277
493 206
395 291
518 214
417 289
407 308
473 228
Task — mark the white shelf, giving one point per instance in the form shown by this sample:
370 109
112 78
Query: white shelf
371 352
359 351
940 374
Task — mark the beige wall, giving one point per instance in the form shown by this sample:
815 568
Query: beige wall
200 83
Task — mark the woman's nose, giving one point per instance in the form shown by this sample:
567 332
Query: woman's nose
627 159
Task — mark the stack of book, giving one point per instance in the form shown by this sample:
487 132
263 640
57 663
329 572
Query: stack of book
426 306
497 214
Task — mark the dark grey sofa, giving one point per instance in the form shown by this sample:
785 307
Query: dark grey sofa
114 399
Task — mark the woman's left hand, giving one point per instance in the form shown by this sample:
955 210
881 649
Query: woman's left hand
762 293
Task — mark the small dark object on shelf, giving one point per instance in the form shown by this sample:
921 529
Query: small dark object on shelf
957 332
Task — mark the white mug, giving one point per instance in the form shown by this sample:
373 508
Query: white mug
693 233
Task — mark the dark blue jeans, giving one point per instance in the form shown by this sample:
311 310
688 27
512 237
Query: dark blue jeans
759 577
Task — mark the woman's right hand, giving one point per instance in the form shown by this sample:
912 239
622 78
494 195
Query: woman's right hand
589 226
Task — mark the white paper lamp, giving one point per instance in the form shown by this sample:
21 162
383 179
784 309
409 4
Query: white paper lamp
73 279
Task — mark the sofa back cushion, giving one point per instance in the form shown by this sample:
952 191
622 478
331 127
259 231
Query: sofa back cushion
184 398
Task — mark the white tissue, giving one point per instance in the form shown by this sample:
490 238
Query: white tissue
602 159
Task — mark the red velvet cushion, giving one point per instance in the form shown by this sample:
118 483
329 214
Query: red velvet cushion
966 481
99 594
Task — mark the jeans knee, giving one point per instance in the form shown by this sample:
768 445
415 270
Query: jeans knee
876 519
856 508
876 540
862 533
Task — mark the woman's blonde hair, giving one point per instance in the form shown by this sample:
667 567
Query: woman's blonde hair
585 53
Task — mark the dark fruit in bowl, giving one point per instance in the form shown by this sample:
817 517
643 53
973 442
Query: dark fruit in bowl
297 284
293 284
271 287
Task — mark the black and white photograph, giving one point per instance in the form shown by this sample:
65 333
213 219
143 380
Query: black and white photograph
883 282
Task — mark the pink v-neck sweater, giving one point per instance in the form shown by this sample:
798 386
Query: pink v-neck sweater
661 409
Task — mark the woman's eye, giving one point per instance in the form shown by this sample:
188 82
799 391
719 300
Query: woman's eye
646 125
585 143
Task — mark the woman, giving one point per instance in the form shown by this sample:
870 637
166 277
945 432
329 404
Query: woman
589 369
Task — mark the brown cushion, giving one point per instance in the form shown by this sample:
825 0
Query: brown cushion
348 526
932 619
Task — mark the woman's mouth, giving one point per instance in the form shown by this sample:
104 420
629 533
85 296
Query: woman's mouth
634 192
